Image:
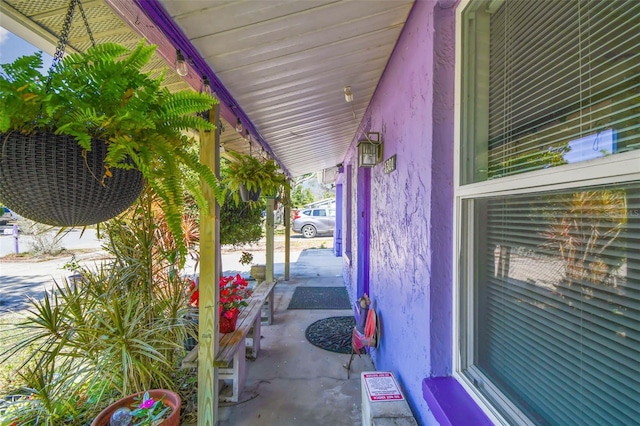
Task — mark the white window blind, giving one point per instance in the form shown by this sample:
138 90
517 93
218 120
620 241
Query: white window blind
549 278
564 83
558 303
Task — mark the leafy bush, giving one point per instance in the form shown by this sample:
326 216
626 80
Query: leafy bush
117 330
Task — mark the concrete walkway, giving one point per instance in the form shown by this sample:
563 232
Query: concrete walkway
293 382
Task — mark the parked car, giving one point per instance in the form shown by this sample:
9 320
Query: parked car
311 222
7 216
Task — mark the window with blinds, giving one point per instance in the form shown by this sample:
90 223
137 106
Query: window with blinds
549 263
563 83
558 303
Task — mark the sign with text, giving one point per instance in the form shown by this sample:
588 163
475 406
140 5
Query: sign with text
390 164
382 386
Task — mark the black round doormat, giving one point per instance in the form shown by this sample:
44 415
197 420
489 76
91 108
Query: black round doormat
332 334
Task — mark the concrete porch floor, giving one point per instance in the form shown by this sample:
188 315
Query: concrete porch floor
293 382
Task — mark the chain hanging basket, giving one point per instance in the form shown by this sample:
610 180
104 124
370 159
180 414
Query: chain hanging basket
50 179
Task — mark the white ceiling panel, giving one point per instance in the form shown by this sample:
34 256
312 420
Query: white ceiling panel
286 64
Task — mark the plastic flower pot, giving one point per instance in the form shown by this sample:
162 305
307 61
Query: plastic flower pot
228 321
248 195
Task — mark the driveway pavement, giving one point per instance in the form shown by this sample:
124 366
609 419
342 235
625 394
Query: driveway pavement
26 278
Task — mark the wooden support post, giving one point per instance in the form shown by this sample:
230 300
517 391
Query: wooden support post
270 228
287 236
210 270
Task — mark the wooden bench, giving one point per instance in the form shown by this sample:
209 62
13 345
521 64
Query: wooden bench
242 343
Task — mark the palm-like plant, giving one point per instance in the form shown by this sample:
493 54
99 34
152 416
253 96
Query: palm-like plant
582 228
117 330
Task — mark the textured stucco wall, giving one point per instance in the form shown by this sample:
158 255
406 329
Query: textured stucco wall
411 208
348 226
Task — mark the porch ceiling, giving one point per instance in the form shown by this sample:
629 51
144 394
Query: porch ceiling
286 63
283 62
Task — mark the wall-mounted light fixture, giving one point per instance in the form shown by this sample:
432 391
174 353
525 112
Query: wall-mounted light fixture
348 96
247 137
181 64
239 126
370 150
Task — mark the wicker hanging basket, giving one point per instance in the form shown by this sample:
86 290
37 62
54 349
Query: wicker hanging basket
50 179
248 195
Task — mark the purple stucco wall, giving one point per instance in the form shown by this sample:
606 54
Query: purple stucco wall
411 207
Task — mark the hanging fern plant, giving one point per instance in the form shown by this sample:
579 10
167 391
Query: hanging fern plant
255 174
103 97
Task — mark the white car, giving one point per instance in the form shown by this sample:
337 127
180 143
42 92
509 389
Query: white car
311 222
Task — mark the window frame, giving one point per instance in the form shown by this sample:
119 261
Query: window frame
618 168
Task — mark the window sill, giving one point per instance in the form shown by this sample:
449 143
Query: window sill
450 404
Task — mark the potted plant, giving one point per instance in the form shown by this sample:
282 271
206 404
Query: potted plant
258 272
247 177
96 121
233 295
128 316
153 407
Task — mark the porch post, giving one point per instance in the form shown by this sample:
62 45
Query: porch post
269 226
287 236
209 272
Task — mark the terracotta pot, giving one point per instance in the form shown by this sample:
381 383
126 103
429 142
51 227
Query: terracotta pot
169 398
228 325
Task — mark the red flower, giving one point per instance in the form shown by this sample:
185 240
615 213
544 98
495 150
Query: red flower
233 293
194 298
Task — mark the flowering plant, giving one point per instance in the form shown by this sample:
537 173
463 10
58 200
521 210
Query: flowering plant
233 292
193 293
148 411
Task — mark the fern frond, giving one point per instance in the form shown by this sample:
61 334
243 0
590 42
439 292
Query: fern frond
189 122
205 173
181 103
170 192
140 56
23 69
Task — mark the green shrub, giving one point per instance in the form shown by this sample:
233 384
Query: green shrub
117 330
